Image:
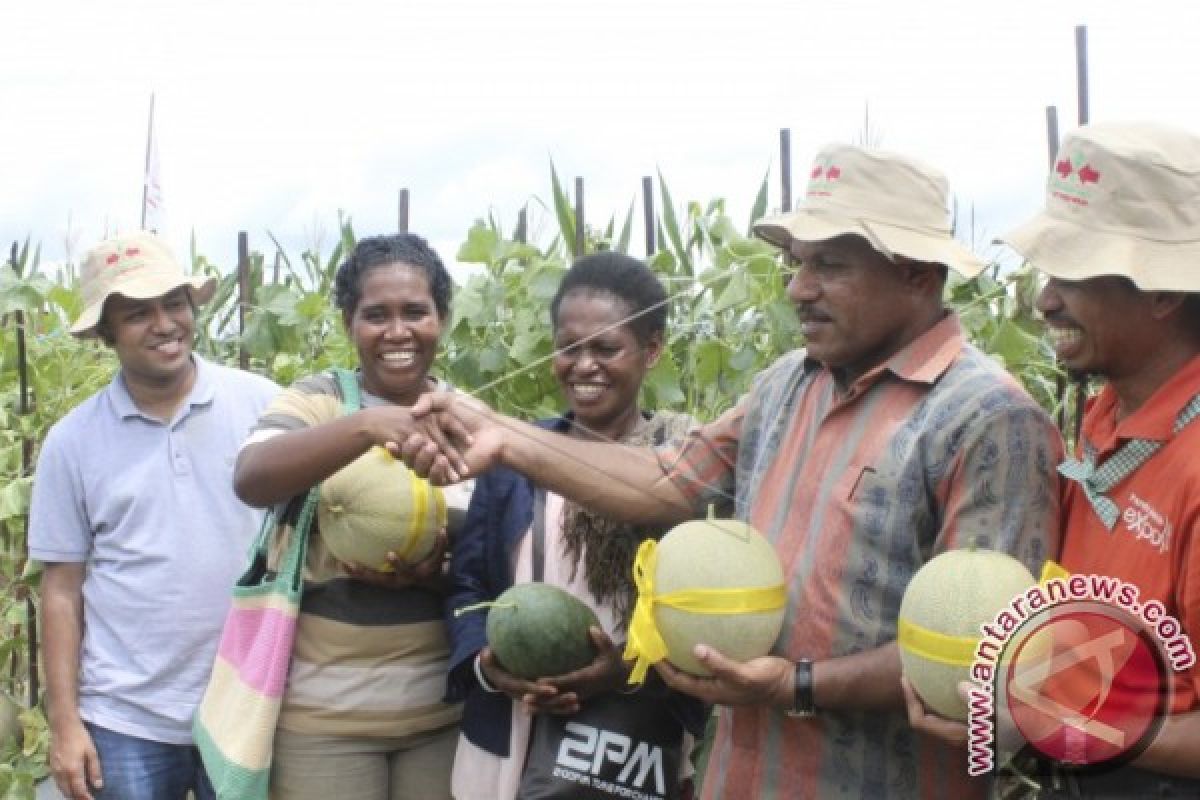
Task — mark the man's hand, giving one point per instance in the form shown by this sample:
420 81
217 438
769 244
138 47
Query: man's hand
74 761
428 572
391 426
758 682
527 693
929 723
606 673
458 419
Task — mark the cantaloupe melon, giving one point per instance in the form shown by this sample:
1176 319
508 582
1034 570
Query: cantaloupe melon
537 630
376 505
722 555
952 596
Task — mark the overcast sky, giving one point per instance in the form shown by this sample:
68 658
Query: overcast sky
273 115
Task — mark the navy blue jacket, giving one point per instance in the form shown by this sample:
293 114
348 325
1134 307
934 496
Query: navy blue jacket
500 514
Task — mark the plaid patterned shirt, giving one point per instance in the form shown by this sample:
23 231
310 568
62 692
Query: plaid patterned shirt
857 490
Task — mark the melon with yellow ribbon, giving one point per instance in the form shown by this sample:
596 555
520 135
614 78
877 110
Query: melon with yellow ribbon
941 612
374 506
713 581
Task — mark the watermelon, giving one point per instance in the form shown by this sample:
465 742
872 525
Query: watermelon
954 594
537 630
376 505
716 554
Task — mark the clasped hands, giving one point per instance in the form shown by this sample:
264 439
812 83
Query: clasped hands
448 437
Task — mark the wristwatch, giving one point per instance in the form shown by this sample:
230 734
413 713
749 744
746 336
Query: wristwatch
803 705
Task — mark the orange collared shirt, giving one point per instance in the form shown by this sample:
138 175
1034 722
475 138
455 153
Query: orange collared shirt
1154 542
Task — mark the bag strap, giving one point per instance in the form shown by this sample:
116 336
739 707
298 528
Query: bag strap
539 534
291 567
347 382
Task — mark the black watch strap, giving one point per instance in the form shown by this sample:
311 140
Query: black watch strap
802 692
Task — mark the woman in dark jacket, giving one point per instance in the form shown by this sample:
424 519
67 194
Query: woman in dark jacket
609 318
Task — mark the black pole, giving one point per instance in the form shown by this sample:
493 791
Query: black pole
785 167
1051 134
402 212
648 218
522 233
1081 72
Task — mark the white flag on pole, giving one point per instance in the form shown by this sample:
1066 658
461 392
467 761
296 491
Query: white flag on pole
153 211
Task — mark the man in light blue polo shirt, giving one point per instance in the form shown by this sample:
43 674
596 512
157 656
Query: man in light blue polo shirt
135 519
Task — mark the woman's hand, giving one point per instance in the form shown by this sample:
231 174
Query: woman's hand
442 435
527 693
464 421
429 572
606 673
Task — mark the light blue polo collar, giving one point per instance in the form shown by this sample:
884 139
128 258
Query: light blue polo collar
200 395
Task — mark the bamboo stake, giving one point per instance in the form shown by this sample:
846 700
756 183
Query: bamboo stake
1060 382
23 408
146 168
1081 86
785 167
580 235
244 296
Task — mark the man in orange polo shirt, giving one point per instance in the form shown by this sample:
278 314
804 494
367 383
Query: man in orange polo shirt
1119 240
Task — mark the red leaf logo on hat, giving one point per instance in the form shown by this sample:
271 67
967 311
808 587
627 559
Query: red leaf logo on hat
833 173
816 173
1088 175
112 258
1063 168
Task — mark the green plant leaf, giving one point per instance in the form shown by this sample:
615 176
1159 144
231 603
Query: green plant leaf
480 246
564 211
626 231
663 384
735 294
671 224
760 204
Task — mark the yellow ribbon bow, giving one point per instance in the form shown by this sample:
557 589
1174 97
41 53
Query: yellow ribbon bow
958 651
645 645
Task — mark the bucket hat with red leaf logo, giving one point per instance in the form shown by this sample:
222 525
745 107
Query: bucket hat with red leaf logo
137 265
896 203
1121 199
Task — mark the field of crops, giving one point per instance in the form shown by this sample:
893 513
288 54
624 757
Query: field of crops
729 318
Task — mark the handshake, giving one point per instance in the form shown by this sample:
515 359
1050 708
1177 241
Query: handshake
445 437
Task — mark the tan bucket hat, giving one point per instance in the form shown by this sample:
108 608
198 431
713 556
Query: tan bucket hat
1122 199
896 203
137 265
